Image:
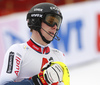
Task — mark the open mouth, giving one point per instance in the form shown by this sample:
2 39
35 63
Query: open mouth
51 33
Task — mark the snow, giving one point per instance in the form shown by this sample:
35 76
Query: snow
87 74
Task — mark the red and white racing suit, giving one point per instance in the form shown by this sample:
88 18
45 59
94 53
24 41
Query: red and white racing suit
26 60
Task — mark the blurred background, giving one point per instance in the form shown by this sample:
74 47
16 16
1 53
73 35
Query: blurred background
11 6
79 33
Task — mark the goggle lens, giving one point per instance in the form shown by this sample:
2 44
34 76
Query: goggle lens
51 20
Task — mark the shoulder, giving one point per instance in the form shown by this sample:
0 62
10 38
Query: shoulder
56 51
59 54
17 49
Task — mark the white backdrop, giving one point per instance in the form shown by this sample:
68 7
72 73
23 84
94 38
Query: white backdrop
83 32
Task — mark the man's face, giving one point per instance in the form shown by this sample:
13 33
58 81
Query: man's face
48 29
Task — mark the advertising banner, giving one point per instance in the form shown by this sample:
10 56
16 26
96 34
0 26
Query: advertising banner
79 32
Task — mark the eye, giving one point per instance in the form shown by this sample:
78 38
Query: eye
51 21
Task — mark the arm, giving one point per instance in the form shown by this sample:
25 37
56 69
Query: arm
11 65
52 74
24 82
43 78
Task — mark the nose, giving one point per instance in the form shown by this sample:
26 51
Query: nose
55 27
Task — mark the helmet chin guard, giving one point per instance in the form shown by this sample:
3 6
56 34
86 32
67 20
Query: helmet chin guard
43 38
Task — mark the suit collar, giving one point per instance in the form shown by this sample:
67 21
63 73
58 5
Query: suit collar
40 49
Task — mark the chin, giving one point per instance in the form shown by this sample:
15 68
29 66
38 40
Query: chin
50 39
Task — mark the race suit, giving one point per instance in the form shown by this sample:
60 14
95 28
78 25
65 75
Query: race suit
25 60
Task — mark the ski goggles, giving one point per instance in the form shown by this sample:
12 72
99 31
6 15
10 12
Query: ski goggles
52 20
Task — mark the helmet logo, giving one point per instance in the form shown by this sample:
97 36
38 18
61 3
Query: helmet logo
54 8
36 15
38 9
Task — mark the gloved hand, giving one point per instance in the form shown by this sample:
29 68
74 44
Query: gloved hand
66 76
52 74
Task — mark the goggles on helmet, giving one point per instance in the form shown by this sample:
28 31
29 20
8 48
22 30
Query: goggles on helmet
52 20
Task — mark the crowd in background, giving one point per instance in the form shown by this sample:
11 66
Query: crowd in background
11 6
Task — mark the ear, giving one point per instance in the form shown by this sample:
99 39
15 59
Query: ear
34 23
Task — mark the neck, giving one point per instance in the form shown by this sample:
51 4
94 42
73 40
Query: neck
37 38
